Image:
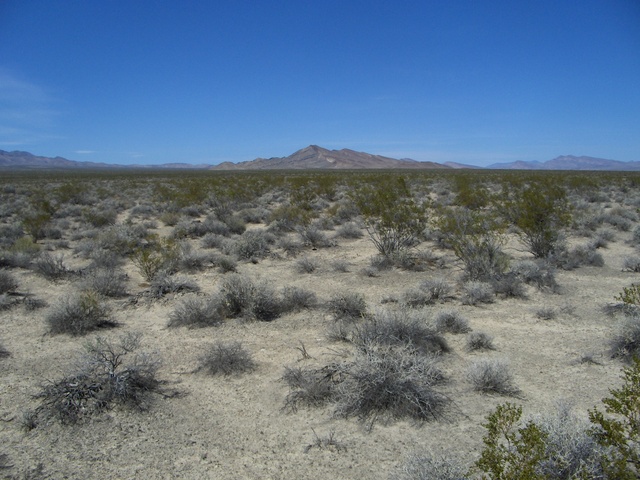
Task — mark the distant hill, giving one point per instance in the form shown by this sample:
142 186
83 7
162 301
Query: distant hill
459 165
315 157
571 162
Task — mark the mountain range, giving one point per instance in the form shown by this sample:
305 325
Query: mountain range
315 157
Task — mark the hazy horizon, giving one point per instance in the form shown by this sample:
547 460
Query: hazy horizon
208 82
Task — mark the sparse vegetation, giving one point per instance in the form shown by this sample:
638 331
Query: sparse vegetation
79 314
492 376
227 359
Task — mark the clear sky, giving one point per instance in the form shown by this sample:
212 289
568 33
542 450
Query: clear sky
472 81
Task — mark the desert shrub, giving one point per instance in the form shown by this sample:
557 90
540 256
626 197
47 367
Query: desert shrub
309 387
105 259
399 328
170 219
313 237
389 383
4 353
121 239
79 314
226 263
296 298
108 282
226 359
252 244
8 282
160 255
7 302
306 265
100 217
212 240
476 239
580 255
243 298
349 230
381 262
625 343
631 264
479 341
450 321
196 261
509 285
347 306
51 267
235 223
629 295
540 211
341 266
195 312
108 374
619 433
546 313
537 273
430 467
492 376
570 450
427 293
164 284
511 450
477 292
393 218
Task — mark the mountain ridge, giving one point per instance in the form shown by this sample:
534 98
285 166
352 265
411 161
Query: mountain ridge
570 162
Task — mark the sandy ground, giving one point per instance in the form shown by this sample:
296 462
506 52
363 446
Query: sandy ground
235 427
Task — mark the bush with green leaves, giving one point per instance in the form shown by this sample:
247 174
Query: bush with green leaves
476 238
109 373
159 255
79 314
629 295
393 219
540 211
226 359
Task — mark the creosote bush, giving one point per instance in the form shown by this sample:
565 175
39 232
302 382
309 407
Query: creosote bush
109 373
226 359
79 314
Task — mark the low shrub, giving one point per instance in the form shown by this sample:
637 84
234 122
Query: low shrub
50 267
313 237
479 341
390 383
8 283
631 264
296 298
165 284
477 292
546 313
196 312
450 321
428 292
492 376
541 274
625 343
309 387
581 255
253 244
347 306
226 359
243 298
399 328
108 282
306 265
509 285
79 314
4 353
212 240
349 230
109 373
430 467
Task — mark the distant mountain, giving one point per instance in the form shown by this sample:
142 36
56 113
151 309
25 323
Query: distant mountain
459 165
570 162
315 157
26 159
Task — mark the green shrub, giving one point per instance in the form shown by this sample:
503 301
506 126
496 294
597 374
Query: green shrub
540 211
629 295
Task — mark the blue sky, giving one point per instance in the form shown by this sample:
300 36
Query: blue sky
478 82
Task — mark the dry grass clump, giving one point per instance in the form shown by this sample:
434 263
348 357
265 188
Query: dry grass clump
428 292
296 298
578 256
492 376
79 314
243 298
196 312
631 264
539 273
546 313
227 359
51 267
306 265
451 321
109 373
309 387
349 230
253 244
165 284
